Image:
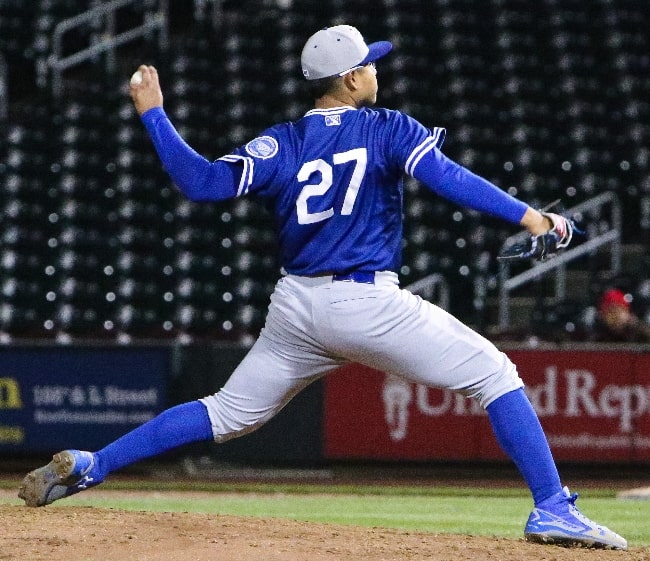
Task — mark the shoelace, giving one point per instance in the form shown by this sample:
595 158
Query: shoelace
572 499
573 509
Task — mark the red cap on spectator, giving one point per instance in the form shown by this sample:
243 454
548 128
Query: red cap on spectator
612 297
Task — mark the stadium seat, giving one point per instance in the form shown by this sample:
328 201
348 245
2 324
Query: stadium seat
546 103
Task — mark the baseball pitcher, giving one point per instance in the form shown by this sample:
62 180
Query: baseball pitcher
334 181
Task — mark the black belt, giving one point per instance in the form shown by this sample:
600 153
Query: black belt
359 276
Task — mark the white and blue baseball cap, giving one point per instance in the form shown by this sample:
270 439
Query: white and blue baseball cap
334 50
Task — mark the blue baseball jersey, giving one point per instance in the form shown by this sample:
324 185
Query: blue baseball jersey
334 180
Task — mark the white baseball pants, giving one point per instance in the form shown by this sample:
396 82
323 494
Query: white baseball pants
315 325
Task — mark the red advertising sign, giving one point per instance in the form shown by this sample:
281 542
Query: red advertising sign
594 406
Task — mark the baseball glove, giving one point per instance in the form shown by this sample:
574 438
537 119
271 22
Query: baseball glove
545 245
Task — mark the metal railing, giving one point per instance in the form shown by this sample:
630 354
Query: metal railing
104 38
434 288
4 88
611 237
211 10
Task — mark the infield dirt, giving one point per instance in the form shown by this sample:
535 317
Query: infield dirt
70 533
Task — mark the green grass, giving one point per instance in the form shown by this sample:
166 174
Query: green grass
464 510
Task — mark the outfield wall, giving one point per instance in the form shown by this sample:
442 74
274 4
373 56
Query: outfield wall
594 403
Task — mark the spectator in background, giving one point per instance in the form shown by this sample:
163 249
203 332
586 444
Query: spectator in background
616 322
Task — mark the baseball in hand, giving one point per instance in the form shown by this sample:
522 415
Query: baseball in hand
136 79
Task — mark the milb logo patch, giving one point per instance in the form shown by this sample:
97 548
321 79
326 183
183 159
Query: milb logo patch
262 147
332 120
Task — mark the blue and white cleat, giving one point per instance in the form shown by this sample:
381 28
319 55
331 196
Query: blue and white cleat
68 473
558 521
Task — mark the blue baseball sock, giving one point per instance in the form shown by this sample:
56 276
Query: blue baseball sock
521 436
181 424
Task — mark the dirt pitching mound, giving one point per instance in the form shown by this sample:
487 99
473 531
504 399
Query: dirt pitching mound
95 534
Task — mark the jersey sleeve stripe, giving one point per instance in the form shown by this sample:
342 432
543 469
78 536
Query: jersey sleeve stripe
417 154
439 134
436 139
246 178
